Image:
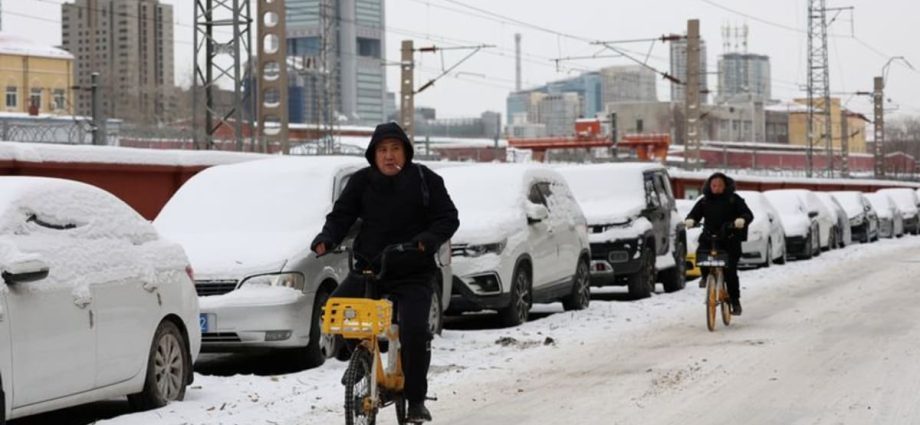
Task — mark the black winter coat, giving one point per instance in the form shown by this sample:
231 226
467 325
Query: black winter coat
718 211
412 206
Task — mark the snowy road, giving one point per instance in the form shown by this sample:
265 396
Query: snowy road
827 341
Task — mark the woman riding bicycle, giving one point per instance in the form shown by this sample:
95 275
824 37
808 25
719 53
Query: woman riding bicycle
398 202
718 209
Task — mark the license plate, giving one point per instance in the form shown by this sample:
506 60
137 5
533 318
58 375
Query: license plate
203 322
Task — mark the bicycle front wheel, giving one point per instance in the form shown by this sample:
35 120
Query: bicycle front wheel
359 409
711 301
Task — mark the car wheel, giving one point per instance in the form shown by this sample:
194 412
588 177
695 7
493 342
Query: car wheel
783 257
168 368
809 247
521 299
321 346
642 283
675 278
436 312
580 297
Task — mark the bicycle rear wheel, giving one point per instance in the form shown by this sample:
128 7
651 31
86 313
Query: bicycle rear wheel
358 389
724 301
711 301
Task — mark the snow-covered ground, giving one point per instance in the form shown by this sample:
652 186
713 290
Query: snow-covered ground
826 341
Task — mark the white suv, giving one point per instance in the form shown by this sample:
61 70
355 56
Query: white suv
522 239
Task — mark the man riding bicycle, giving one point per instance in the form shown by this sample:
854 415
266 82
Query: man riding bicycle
398 202
721 208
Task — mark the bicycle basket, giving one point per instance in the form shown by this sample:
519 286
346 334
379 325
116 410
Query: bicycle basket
711 259
356 318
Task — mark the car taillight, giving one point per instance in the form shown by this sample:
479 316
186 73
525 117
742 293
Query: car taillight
190 272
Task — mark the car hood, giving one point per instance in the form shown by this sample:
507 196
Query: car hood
600 212
796 224
483 227
236 255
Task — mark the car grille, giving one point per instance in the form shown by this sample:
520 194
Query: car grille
220 337
214 287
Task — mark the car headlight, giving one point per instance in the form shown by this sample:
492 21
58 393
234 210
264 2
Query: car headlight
289 280
483 249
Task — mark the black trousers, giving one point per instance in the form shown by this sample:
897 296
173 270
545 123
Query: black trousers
731 273
412 299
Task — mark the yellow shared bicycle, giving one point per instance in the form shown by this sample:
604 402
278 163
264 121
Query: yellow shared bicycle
371 383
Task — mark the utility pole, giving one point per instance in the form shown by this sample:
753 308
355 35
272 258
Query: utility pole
878 101
844 144
98 119
692 98
407 89
272 72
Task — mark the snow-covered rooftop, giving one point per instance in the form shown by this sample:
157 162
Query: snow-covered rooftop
11 44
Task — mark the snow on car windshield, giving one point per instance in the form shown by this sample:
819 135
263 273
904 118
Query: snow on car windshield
604 182
272 195
785 202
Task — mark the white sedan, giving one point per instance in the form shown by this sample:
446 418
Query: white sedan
93 304
766 241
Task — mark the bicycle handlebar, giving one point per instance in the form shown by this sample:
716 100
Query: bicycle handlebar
389 249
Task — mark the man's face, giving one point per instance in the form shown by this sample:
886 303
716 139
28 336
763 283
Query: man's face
717 186
390 157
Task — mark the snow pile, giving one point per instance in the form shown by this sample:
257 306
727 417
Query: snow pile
252 214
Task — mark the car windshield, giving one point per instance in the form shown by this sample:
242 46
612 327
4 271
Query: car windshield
484 188
785 202
592 183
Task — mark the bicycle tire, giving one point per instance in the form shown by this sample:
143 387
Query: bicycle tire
359 370
724 301
711 301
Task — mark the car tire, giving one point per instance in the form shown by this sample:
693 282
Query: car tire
320 347
809 250
436 312
168 367
518 308
675 278
782 258
580 297
642 283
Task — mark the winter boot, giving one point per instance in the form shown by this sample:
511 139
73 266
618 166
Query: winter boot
418 413
736 307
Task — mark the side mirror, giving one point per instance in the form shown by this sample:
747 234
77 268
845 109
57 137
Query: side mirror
25 271
812 214
536 212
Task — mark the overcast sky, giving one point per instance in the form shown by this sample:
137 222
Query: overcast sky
882 28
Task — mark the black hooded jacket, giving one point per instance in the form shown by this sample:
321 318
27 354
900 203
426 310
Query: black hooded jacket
412 206
718 211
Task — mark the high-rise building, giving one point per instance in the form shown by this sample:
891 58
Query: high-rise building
130 44
559 111
679 71
744 75
588 86
628 83
354 49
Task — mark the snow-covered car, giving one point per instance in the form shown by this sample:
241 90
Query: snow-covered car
522 240
890 220
93 303
844 232
637 237
827 221
800 225
684 206
247 228
863 218
766 242
908 202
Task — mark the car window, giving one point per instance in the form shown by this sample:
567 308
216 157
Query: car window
664 190
651 194
536 195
